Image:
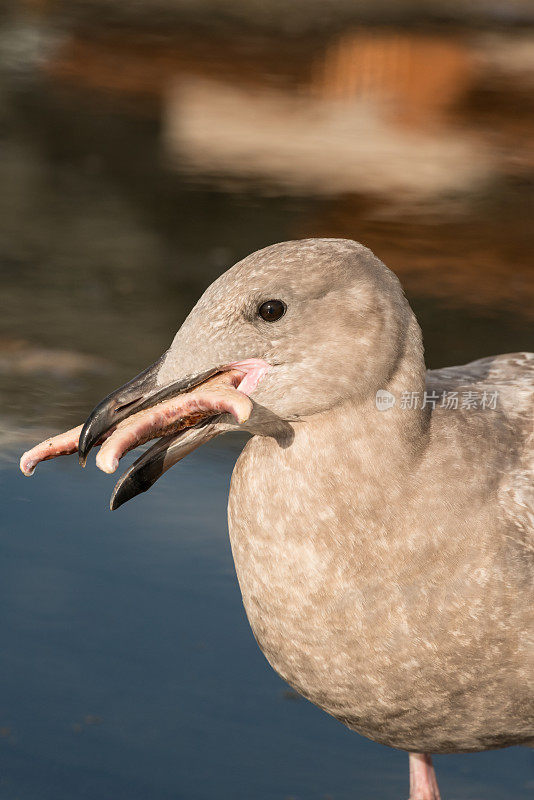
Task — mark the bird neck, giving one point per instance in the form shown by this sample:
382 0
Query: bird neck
390 421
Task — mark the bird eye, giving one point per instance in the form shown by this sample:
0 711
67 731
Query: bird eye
272 310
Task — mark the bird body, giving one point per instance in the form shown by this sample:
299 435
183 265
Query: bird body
387 580
384 547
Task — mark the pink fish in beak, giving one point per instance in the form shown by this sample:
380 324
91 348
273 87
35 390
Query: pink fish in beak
182 416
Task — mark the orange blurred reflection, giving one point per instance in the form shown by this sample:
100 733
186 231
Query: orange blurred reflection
417 144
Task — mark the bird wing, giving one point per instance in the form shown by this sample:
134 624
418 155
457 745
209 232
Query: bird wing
511 376
514 370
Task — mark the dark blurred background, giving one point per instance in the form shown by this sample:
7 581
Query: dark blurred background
144 148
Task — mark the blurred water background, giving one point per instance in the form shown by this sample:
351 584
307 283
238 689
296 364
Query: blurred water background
144 148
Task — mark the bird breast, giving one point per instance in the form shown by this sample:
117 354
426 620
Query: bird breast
366 624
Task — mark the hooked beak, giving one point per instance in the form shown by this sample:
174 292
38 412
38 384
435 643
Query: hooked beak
143 393
136 395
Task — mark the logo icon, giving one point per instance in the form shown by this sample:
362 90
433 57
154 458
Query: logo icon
384 400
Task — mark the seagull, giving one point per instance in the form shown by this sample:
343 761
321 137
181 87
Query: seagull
381 515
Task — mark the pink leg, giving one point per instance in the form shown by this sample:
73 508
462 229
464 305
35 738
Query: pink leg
423 783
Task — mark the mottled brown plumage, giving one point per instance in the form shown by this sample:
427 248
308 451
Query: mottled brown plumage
385 557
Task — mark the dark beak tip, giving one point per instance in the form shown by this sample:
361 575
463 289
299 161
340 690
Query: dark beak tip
86 441
119 498
125 490
115 501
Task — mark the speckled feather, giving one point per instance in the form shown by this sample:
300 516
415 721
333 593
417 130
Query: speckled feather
385 558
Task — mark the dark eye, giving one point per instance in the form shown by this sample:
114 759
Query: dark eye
272 310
